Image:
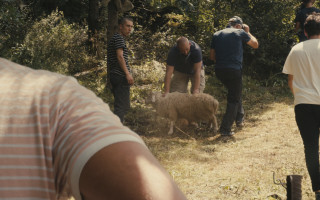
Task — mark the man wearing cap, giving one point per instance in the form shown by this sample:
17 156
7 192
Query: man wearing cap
185 63
227 52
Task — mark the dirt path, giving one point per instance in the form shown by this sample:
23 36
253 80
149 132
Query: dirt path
241 167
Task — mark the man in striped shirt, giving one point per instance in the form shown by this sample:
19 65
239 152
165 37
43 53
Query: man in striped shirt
58 139
119 70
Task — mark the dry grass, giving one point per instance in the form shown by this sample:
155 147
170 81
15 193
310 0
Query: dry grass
240 167
210 167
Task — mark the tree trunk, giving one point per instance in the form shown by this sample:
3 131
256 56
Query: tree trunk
93 17
112 19
104 16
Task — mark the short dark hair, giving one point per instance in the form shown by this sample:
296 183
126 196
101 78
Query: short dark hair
122 20
312 24
235 20
307 1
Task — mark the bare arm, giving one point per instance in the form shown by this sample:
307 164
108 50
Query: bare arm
290 80
167 79
123 66
253 42
212 55
197 71
127 170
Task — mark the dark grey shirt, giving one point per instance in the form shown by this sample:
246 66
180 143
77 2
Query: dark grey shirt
117 42
184 63
228 46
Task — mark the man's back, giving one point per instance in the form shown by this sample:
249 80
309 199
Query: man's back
185 63
228 46
303 63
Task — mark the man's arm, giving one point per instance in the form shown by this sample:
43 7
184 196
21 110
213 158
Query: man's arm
126 170
290 80
212 55
167 79
197 71
123 66
253 42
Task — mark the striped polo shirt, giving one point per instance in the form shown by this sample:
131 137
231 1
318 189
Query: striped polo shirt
49 128
117 42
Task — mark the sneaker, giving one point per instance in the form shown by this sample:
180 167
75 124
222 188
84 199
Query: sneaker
227 133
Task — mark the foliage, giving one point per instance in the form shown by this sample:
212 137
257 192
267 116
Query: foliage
55 45
158 23
14 23
149 73
52 43
270 21
74 10
147 46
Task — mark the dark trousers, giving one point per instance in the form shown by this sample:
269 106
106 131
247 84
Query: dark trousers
308 121
232 80
121 93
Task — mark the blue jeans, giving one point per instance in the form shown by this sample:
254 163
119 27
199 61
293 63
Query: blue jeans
308 121
121 93
232 80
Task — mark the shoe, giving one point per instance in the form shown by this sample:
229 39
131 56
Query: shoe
239 124
227 133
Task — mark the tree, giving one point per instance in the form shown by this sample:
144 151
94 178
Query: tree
116 7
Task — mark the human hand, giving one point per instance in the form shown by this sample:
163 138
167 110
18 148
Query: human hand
246 28
195 92
129 79
164 94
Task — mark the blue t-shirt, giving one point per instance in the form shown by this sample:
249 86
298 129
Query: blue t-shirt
184 63
228 46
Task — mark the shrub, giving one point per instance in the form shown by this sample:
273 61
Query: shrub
53 44
149 73
14 23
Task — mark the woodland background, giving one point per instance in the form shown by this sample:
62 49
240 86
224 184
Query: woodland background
70 37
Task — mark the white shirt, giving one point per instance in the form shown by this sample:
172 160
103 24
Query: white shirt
303 62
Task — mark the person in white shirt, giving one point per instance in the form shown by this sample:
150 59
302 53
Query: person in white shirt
303 69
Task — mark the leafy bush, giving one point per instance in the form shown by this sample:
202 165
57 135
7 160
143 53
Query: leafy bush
53 44
149 73
270 21
147 46
14 24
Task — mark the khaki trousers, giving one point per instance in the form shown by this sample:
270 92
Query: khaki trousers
179 82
